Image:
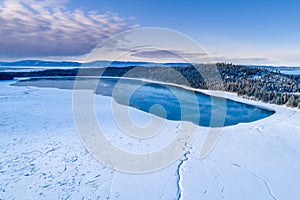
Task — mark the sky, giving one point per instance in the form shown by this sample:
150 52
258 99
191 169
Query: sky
260 32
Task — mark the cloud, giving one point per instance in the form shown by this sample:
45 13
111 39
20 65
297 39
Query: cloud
168 54
48 28
155 54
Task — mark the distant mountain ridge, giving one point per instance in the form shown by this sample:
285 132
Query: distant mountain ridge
105 63
39 63
100 63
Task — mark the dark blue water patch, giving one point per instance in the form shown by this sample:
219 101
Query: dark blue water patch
175 108
152 94
183 105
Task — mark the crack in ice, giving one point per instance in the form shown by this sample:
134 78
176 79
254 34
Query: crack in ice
260 178
266 184
179 187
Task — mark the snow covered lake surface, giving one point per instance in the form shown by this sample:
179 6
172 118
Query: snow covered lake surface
42 155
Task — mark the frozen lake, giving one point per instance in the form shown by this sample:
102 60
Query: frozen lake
42 155
178 104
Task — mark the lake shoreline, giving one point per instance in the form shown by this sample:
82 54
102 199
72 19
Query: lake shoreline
144 96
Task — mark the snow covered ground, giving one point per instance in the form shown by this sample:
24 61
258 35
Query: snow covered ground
42 155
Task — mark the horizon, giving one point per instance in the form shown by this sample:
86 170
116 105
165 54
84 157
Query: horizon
150 62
